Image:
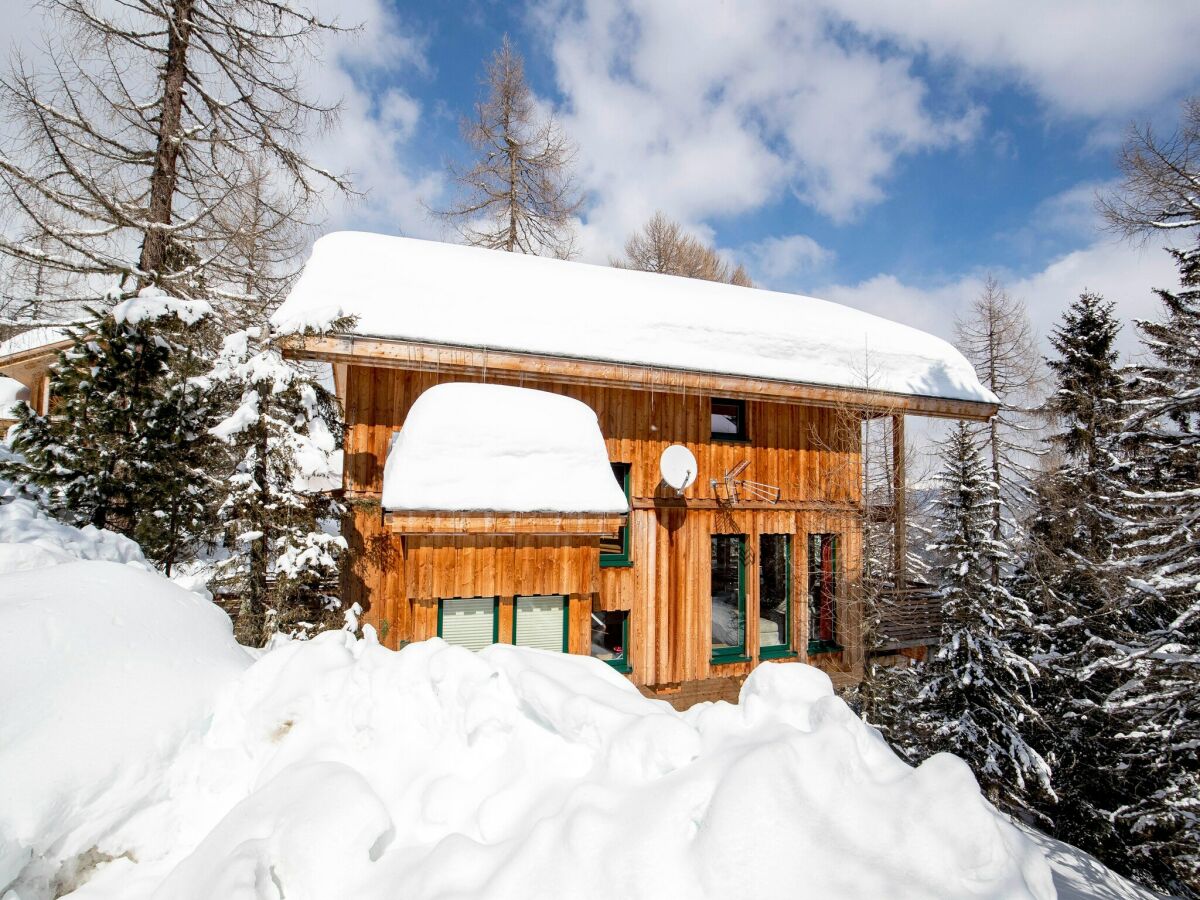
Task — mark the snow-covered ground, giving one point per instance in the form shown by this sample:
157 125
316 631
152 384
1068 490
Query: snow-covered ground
145 754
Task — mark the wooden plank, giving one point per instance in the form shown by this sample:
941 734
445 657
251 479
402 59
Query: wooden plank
460 360
450 523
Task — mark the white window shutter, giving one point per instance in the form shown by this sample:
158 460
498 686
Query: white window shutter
469 622
540 622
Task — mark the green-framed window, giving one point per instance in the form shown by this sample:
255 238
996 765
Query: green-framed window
614 551
471 622
610 638
822 593
541 621
728 595
774 595
729 420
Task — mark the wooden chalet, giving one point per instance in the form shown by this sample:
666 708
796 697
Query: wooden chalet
27 358
756 559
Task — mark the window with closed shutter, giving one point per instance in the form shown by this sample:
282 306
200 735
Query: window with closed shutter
468 622
539 622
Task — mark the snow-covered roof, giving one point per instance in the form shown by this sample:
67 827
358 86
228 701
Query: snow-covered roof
12 395
445 293
33 339
494 448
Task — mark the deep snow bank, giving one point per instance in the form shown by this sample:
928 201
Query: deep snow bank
336 768
31 539
104 668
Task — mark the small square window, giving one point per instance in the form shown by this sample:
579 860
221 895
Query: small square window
729 420
610 638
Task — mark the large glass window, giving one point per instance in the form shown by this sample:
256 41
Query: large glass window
728 596
610 638
774 594
468 621
541 622
729 420
614 551
822 592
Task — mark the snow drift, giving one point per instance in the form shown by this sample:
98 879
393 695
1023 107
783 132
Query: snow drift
338 768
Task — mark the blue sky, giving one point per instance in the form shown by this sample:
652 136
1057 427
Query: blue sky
885 155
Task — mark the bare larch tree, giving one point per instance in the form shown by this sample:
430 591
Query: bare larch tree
160 140
998 339
518 194
1160 190
662 245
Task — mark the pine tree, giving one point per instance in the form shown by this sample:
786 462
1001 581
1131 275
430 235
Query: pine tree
1157 700
126 446
973 697
1070 580
278 515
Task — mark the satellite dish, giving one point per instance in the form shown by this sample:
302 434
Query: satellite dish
678 467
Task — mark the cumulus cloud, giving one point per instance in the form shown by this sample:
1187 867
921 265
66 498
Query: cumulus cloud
708 109
776 261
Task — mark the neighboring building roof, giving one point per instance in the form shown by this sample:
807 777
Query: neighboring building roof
492 448
33 339
407 289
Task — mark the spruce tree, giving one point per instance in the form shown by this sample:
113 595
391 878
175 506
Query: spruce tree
1069 578
278 517
126 445
1157 700
974 694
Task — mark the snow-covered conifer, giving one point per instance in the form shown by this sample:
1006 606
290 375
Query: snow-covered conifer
1157 698
126 444
973 697
1069 578
279 518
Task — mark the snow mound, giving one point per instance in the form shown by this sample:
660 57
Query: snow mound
498 448
30 539
468 296
338 768
153 303
103 670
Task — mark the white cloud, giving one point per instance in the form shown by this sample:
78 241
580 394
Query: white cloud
1119 272
774 261
708 109
1094 58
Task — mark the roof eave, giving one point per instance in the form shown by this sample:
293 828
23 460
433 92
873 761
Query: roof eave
398 353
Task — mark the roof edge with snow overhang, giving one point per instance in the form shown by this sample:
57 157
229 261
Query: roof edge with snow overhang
423 304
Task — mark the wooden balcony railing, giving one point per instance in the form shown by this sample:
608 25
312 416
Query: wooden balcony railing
911 617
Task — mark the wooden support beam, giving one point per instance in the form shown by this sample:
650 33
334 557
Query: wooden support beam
899 502
547 524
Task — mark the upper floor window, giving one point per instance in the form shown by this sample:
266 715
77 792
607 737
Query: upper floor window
729 420
614 551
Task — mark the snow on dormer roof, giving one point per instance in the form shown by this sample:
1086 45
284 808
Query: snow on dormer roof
493 448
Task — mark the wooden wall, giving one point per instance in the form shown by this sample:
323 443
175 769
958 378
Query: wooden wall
811 454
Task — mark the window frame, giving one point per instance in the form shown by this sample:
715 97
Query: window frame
818 645
742 435
620 663
495 616
566 617
724 655
784 650
623 559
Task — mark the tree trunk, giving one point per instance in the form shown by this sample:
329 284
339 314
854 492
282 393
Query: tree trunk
256 599
166 154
